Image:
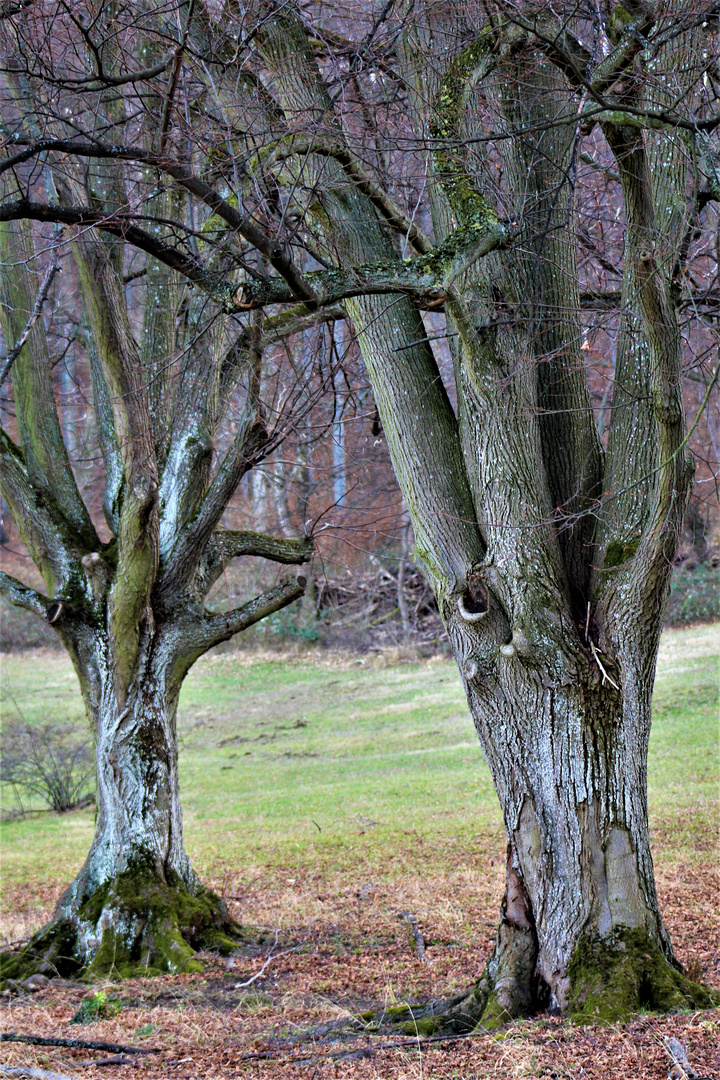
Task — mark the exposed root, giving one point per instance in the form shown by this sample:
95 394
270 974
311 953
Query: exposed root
610 979
607 981
130 926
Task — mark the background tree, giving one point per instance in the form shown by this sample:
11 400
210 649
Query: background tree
549 549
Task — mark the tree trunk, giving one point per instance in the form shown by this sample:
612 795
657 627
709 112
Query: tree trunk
580 929
136 906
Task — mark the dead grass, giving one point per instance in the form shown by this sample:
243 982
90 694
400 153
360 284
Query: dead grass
339 946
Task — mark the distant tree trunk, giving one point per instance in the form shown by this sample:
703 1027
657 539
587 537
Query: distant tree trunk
338 432
405 531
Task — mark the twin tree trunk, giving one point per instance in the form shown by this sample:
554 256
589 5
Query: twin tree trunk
549 555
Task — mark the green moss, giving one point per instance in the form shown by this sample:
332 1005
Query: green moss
610 979
54 945
619 552
494 1015
157 927
424 1027
174 923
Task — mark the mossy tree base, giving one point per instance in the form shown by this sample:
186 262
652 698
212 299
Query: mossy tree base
607 982
131 926
610 979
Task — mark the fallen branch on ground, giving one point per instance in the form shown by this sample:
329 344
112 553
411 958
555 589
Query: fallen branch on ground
367 1051
117 1059
78 1044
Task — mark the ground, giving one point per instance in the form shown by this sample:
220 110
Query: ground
327 803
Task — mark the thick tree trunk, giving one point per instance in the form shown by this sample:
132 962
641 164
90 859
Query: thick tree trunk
136 906
580 929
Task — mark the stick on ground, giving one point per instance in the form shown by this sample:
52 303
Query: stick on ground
78 1044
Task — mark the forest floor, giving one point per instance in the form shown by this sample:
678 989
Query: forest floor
332 802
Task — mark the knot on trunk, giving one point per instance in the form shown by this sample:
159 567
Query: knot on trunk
97 573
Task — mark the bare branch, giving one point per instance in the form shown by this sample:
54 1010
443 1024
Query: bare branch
23 596
12 356
217 628
270 248
302 144
232 544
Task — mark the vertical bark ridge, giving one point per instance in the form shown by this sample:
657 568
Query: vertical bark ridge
546 275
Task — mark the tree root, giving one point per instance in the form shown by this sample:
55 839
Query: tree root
134 925
607 981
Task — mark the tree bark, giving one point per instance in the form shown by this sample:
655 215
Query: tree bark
136 906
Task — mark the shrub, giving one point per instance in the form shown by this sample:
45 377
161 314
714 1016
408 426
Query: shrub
52 762
694 595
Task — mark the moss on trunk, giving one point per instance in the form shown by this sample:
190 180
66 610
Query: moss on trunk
610 979
133 925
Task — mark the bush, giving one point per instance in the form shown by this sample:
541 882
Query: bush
694 595
51 762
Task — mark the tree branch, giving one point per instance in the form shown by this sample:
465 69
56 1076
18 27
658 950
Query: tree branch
302 144
23 596
226 545
271 249
217 628
12 356
247 448
231 544
122 225
427 277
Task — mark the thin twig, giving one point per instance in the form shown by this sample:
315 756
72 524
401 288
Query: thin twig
271 956
598 661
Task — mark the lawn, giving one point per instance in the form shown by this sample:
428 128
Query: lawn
328 797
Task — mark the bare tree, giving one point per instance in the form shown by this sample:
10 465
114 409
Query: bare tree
333 146
183 410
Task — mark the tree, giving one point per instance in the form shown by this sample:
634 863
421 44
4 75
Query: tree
183 409
549 553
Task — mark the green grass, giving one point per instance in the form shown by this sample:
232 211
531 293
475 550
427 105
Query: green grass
317 763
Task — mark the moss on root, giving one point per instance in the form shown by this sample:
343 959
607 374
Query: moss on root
133 925
612 979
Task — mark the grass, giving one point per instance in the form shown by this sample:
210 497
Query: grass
321 761
326 797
